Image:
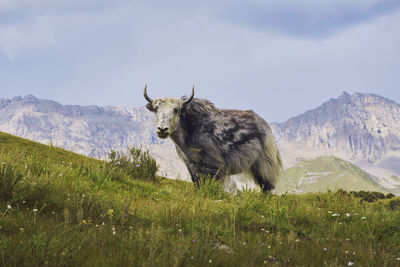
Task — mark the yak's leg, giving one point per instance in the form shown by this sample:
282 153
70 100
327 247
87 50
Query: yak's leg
200 173
201 164
260 174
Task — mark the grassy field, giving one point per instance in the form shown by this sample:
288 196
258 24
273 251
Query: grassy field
62 209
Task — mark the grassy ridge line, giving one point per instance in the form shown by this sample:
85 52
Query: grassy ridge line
10 142
69 210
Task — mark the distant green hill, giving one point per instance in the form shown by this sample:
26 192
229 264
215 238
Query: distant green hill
325 173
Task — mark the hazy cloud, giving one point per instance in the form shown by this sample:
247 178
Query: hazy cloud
15 38
301 18
308 18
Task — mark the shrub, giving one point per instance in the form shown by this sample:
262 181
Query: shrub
137 163
370 196
390 195
394 204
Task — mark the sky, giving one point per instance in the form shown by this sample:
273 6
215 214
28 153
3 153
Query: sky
276 57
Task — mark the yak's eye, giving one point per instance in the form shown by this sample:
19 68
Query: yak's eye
175 110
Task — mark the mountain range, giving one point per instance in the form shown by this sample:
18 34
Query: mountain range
363 129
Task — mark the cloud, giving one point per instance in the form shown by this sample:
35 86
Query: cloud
32 24
301 18
308 18
16 38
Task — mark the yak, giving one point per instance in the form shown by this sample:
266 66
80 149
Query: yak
216 142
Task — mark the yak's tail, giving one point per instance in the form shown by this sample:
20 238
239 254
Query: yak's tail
268 167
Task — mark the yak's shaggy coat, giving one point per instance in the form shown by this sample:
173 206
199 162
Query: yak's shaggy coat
217 143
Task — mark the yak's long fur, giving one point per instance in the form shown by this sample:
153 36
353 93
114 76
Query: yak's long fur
225 142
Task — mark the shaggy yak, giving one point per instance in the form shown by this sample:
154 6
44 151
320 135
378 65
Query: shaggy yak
218 142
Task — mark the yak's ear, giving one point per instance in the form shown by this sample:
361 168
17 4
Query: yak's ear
150 107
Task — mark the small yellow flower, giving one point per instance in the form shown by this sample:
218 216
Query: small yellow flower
110 212
84 221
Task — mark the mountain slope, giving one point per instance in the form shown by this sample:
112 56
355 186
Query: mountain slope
68 210
11 144
89 130
362 126
323 173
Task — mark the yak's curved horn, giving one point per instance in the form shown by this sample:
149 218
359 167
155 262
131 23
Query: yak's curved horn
146 96
190 98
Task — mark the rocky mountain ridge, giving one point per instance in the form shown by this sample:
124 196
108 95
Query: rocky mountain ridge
88 130
363 126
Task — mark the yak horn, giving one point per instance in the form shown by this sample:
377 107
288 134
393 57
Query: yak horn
190 98
146 96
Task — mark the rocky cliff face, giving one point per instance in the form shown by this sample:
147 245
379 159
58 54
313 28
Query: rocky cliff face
362 126
90 130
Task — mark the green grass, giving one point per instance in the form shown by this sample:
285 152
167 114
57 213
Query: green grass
58 208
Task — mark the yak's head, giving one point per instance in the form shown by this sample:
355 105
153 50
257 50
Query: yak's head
168 112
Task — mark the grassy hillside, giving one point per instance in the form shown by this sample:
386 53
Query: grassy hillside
325 173
62 209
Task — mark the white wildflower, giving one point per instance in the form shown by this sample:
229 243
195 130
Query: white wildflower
35 210
325 249
334 215
9 207
348 214
210 261
350 263
363 218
